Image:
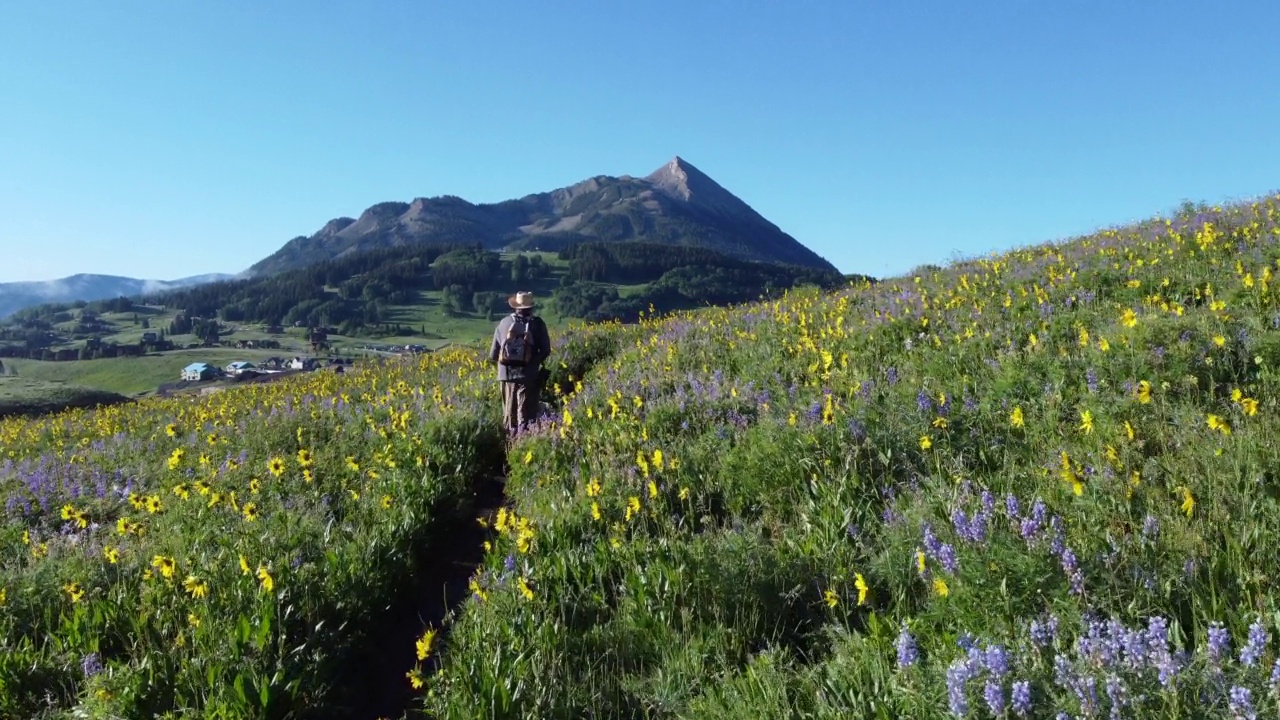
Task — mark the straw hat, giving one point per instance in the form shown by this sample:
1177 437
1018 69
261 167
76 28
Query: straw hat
521 301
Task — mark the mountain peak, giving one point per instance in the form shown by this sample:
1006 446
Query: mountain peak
679 177
681 180
677 204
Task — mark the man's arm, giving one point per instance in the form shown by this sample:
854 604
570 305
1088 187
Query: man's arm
542 339
496 345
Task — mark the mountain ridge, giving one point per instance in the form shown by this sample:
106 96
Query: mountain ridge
676 204
15 296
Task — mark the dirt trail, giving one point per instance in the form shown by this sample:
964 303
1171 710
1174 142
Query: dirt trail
440 586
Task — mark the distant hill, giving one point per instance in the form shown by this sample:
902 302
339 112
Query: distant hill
15 296
675 205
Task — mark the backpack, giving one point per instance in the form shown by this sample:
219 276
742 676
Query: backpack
517 347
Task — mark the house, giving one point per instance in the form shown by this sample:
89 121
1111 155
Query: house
195 372
150 337
239 366
274 363
300 363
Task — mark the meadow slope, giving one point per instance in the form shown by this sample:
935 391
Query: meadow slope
1026 485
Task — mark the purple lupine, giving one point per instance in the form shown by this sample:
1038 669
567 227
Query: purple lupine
91 665
932 545
889 516
1100 643
993 693
908 653
923 402
1158 649
1241 701
1255 645
960 522
996 660
1028 528
1020 697
815 412
944 408
957 676
1011 506
1071 566
1150 527
1059 542
1038 511
1043 634
1063 674
1219 641
857 430
1087 693
891 376
1091 380
1117 694
1135 647
947 556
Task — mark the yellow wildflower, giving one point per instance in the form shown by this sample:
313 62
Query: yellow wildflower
940 587
74 591
268 583
425 642
195 587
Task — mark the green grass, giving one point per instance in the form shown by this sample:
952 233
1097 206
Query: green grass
23 396
133 375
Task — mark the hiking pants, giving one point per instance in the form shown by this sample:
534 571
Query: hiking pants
519 404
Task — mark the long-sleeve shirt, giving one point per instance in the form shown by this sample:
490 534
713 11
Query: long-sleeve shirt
541 349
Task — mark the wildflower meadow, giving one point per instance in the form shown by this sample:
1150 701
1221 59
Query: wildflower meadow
1038 484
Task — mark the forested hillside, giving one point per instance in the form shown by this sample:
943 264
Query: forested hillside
353 293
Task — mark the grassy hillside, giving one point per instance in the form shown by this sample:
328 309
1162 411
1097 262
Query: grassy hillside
1020 486
29 396
132 376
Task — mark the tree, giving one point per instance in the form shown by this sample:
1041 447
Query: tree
520 270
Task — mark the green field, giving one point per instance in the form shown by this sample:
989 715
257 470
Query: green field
23 395
134 375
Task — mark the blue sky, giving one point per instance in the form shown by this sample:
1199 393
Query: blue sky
163 139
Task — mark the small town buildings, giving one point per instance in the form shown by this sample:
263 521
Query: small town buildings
196 372
239 366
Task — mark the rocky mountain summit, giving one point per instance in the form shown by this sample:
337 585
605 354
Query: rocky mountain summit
676 204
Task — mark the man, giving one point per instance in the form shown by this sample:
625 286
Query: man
520 345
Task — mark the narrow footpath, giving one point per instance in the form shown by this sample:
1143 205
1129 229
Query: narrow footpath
439 588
